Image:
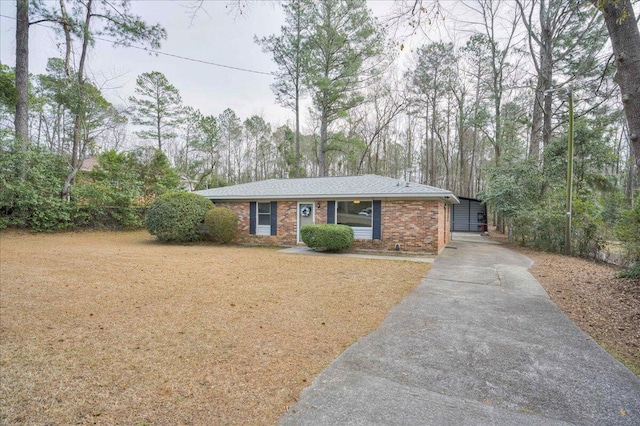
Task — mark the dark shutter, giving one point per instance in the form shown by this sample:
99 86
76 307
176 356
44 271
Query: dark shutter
274 218
331 212
252 218
377 219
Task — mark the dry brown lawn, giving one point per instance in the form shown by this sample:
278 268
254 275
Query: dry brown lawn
114 328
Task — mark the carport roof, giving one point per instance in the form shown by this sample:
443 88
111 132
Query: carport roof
342 187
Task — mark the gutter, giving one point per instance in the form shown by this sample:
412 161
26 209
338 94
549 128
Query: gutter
446 198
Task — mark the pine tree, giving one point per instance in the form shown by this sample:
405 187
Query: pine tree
157 105
344 38
288 50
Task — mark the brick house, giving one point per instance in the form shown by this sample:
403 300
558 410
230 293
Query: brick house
385 213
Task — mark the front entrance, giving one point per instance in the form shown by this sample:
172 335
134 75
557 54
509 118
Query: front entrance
306 216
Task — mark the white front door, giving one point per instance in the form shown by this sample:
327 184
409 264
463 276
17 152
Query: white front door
306 216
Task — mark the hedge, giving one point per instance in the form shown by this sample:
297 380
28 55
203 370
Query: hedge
327 237
221 223
176 217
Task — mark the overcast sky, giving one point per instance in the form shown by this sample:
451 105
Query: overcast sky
215 35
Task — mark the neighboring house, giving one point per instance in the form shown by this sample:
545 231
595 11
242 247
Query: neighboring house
88 164
469 215
385 213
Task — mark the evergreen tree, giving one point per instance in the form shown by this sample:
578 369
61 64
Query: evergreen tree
435 65
258 134
86 20
157 105
230 131
344 38
288 50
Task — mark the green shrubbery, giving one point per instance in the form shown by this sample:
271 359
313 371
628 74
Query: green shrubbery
532 202
113 195
176 217
30 196
328 237
221 223
629 233
541 228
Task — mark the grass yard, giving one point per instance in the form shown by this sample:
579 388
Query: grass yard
114 328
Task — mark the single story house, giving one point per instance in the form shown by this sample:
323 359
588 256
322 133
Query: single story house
385 213
469 216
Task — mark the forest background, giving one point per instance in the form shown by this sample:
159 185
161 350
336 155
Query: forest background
483 112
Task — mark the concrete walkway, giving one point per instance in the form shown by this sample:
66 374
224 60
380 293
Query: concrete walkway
478 342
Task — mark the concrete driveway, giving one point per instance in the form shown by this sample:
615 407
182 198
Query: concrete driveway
478 342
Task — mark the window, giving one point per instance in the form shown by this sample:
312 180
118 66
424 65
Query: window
358 215
264 219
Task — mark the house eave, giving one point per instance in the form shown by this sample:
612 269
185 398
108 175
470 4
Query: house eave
446 197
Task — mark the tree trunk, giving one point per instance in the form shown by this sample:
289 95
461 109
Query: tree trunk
537 121
66 27
461 158
541 118
497 109
541 121
427 154
256 159
297 163
432 144
298 82
548 104
625 40
229 159
77 153
158 129
472 172
22 73
629 190
322 166
409 157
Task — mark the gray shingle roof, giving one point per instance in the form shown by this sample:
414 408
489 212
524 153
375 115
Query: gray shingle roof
366 186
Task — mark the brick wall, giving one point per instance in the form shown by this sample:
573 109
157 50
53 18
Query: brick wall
415 225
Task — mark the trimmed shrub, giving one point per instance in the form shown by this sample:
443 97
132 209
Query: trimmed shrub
328 237
221 223
176 217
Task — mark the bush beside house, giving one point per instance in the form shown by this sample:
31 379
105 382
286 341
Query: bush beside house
221 223
176 217
327 237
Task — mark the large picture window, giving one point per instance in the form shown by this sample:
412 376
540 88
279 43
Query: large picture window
357 214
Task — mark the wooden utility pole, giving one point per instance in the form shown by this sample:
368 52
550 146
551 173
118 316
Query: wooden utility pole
567 235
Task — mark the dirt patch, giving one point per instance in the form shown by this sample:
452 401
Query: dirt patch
602 305
114 328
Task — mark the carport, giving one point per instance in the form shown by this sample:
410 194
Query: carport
468 216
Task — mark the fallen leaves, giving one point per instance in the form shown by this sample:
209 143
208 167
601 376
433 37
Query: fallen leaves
113 328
